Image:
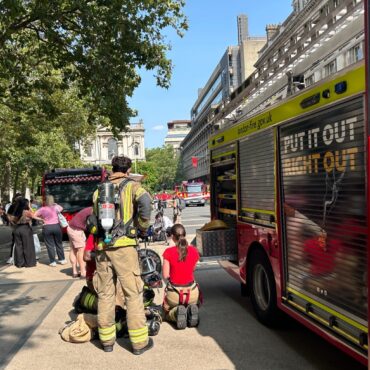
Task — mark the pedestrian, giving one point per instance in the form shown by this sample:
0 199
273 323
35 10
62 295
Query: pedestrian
160 206
118 259
9 209
77 239
182 296
3 219
176 210
24 250
52 231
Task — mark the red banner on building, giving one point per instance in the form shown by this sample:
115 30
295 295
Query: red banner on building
194 161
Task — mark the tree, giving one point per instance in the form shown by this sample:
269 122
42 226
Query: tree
99 44
164 162
34 139
148 170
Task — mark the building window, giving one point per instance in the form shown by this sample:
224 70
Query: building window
136 150
325 10
88 150
310 80
355 54
112 148
330 68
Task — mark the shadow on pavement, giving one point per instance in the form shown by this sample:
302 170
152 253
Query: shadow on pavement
228 318
24 303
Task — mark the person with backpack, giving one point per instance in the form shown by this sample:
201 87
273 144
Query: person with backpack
182 296
116 255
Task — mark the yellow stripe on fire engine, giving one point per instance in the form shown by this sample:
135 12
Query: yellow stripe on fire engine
223 155
329 310
227 211
326 323
253 210
355 80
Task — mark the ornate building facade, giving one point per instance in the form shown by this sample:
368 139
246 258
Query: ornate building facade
103 147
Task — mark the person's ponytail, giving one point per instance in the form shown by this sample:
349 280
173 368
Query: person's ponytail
179 234
182 246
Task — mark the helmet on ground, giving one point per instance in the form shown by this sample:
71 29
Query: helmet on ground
148 296
153 280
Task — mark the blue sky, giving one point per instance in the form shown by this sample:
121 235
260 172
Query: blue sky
212 27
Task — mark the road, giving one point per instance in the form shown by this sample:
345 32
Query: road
192 217
36 302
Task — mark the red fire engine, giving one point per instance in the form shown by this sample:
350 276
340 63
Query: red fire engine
72 188
193 192
292 184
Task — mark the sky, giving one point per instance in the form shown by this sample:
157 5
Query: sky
212 28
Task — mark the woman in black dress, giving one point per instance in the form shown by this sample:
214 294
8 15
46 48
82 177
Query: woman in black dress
24 251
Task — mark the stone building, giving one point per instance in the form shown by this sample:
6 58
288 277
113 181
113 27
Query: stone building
101 148
177 131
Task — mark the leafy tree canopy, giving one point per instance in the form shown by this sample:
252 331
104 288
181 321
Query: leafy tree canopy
160 168
99 44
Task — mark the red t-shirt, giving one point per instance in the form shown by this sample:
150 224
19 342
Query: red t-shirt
181 272
90 265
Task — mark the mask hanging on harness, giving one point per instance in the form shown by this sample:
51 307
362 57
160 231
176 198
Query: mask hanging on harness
106 205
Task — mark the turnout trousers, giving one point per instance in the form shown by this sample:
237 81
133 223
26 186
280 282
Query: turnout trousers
176 295
120 265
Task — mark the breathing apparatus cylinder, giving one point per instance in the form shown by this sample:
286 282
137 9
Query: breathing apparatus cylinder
106 207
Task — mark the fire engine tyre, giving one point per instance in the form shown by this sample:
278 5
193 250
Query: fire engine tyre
263 289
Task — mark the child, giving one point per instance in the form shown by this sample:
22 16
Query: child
181 300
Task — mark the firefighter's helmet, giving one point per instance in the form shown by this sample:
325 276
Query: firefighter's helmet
151 267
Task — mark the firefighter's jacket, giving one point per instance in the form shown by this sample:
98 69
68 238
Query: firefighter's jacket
135 206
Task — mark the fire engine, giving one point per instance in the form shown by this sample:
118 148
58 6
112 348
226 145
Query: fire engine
72 188
193 192
291 181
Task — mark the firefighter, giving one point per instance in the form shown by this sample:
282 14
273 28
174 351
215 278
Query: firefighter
118 259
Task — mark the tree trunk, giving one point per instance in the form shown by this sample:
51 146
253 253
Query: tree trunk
16 181
5 183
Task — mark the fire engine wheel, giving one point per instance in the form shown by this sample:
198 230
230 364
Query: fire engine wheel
263 290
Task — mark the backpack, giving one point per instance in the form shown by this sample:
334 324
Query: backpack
182 204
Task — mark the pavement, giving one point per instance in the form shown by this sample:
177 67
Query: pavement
37 301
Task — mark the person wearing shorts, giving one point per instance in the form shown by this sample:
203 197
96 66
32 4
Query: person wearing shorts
77 240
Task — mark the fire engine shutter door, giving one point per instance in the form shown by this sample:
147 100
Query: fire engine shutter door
257 178
223 154
325 233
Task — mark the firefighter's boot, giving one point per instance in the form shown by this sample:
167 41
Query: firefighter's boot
181 317
193 316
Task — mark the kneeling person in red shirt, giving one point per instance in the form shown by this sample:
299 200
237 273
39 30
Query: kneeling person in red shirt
181 300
